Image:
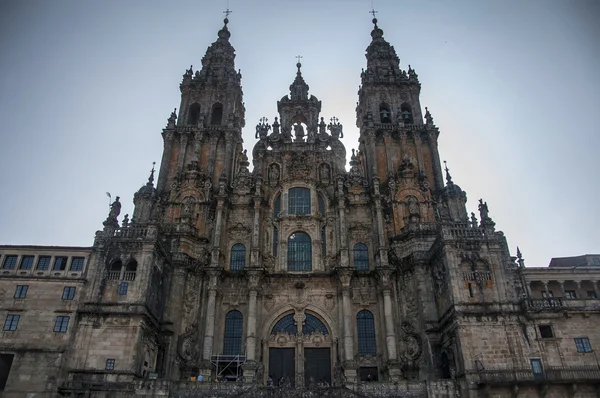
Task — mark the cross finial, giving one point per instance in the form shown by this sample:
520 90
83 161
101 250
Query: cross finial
227 12
299 57
334 120
373 12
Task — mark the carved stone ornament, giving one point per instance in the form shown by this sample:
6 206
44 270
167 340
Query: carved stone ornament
187 344
412 342
239 231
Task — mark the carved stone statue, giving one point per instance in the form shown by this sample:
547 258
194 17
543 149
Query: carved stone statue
274 173
115 210
299 132
325 174
483 210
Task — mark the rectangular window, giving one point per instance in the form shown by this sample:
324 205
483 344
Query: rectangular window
537 369
299 201
470 290
77 264
570 294
11 322
62 324
68 293
123 286
583 344
10 262
546 331
110 364
60 263
596 260
21 291
547 294
591 294
43 263
26 262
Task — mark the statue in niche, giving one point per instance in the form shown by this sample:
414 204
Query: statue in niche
299 132
322 127
325 173
274 173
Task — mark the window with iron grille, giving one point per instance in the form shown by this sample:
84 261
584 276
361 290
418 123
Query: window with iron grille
570 294
110 364
299 252
123 287
238 257
68 293
62 324
287 324
312 324
232 343
361 257
583 344
11 322
21 291
77 264
10 262
26 262
299 201
60 263
365 325
591 294
43 263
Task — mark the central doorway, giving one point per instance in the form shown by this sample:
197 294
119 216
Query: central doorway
317 366
281 366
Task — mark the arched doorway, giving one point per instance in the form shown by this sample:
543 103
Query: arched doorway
300 351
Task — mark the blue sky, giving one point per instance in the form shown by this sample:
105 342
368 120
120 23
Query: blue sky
86 88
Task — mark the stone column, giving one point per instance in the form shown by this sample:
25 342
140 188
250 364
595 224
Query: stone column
345 276
344 260
211 157
164 163
183 141
562 288
390 333
209 331
595 285
197 146
253 281
579 291
381 248
420 161
175 305
229 158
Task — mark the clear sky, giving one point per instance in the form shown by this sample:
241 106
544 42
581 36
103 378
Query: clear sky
87 86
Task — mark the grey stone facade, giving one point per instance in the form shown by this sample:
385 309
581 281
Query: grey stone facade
373 279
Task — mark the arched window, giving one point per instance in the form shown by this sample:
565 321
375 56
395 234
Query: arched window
216 114
130 270
323 241
406 112
299 252
114 270
193 114
232 343
287 324
312 324
365 326
385 115
299 201
238 257
361 257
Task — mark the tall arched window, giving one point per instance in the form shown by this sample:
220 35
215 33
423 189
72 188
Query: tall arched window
130 270
238 257
232 343
365 326
193 114
114 270
216 114
299 252
299 201
361 257
406 112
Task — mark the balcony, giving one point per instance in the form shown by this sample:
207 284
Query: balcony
523 376
554 303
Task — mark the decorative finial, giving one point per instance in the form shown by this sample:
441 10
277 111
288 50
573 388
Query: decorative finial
520 259
227 12
373 12
428 117
298 64
448 176
151 178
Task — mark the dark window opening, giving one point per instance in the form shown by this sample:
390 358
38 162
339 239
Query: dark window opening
11 322
591 294
9 262
406 113
68 293
123 287
238 257
77 264
570 294
60 263
470 286
583 344
299 252
299 201
62 324
26 262
445 365
275 241
361 257
5 365
232 343
385 115
323 241
287 324
21 291
110 364
216 115
193 114
130 270
368 374
43 263
546 331
365 325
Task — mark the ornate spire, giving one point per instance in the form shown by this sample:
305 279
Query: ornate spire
299 88
428 117
382 61
520 259
151 178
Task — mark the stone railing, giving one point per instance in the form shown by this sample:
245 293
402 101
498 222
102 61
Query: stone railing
113 275
129 275
478 276
135 232
544 303
462 231
526 375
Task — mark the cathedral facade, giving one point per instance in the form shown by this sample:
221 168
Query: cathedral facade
301 273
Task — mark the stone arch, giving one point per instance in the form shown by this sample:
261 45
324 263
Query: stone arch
385 114
216 114
193 114
406 113
321 313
